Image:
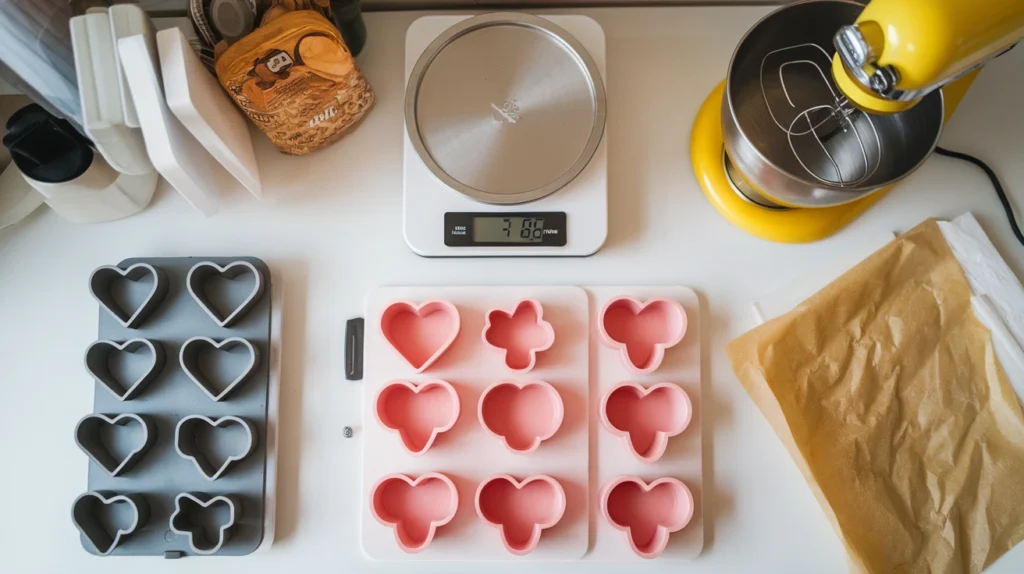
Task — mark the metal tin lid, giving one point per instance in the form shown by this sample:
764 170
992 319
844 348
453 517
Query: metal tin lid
505 108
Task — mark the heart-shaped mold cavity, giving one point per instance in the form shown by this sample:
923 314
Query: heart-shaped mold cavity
226 292
206 520
521 511
106 520
521 414
129 295
218 368
420 334
116 443
519 335
647 513
419 413
642 332
204 441
415 509
126 368
646 417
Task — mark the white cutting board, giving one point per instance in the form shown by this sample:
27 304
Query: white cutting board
179 158
201 105
99 87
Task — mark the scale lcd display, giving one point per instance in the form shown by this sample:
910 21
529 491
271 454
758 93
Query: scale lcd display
482 229
508 229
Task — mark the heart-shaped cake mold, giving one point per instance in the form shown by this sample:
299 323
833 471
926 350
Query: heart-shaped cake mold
187 443
521 414
647 513
519 335
419 413
192 518
646 417
88 510
204 270
89 438
414 508
420 334
101 284
97 362
521 511
188 357
642 332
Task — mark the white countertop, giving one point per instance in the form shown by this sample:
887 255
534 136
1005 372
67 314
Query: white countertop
331 226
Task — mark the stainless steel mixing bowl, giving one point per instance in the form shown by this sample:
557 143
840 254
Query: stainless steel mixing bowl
789 131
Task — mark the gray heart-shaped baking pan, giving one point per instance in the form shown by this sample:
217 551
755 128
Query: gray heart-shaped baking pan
93 512
89 436
103 282
212 301
192 518
191 363
98 362
192 443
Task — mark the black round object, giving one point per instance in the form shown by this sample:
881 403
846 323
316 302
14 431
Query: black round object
46 148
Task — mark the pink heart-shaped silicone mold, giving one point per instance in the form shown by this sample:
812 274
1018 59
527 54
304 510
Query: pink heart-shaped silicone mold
646 417
519 335
415 509
521 511
523 414
420 334
647 513
642 332
417 412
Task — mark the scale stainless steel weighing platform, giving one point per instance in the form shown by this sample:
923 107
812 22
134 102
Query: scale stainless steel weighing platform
505 151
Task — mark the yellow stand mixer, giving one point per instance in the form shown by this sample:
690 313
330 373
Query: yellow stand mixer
828 103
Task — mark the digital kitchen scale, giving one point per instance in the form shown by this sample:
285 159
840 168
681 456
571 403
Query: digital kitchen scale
505 149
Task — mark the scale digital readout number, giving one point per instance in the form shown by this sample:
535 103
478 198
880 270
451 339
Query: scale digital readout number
541 229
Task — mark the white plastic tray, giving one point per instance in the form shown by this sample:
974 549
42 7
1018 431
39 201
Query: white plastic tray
583 455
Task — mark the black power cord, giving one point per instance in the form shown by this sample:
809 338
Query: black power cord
995 183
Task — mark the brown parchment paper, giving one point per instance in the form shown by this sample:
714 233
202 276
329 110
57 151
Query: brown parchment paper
886 390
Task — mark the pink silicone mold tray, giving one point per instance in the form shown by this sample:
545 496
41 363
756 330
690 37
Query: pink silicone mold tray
530 414
522 415
420 334
418 413
520 510
642 331
649 428
647 513
519 335
646 417
415 508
